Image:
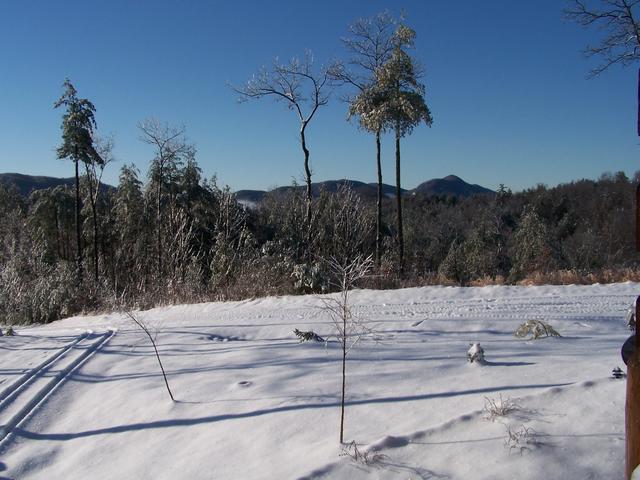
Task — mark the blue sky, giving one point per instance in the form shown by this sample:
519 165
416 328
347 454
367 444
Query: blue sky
506 83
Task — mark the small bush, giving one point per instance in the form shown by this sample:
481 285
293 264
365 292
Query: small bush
308 336
536 329
499 407
358 456
520 439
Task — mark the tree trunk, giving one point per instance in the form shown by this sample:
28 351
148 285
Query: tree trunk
307 172
93 197
159 222
78 226
95 240
344 374
399 203
379 203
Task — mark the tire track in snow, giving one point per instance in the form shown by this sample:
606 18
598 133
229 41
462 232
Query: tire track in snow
20 400
31 373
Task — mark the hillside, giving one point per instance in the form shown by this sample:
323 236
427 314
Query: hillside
28 183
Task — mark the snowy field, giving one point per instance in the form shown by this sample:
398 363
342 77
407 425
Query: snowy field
83 398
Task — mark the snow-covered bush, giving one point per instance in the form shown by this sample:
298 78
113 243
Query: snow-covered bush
475 354
308 336
535 329
499 407
309 278
366 457
520 439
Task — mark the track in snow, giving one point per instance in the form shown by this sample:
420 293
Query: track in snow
20 399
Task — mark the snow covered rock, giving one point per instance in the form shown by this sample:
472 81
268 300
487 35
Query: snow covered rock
475 354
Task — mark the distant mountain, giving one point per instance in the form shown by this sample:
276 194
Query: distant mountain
28 183
451 185
369 190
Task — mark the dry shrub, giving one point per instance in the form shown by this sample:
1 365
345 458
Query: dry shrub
575 277
499 407
487 281
536 329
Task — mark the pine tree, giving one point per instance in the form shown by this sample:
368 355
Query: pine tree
403 108
78 124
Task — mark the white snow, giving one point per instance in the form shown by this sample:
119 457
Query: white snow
255 403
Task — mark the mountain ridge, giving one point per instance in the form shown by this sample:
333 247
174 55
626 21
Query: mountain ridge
450 185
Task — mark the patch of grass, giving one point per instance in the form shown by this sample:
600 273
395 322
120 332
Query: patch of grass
499 407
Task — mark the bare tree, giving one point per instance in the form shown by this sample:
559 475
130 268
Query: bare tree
348 331
620 44
170 147
94 171
303 90
619 20
143 326
370 44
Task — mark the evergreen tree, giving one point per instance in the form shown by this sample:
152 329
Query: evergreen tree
371 45
403 108
78 124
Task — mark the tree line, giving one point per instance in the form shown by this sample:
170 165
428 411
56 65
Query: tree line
173 236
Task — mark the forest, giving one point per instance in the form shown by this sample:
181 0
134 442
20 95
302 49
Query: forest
176 237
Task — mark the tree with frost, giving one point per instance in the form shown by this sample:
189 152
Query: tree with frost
170 149
348 330
78 124
402 106
370 44
94 171
303 91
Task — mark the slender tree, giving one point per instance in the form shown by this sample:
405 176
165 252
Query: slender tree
303 90
78 124
349 331
370 44
94 171
404 106
170 147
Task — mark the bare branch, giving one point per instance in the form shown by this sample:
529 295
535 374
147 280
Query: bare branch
618 19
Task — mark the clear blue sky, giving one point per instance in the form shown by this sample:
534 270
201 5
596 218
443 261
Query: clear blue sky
506 83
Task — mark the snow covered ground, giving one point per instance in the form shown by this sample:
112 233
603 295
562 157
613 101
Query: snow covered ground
83 397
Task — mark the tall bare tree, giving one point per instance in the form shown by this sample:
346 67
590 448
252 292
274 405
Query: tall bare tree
370 45
94 171
170 147
303 90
